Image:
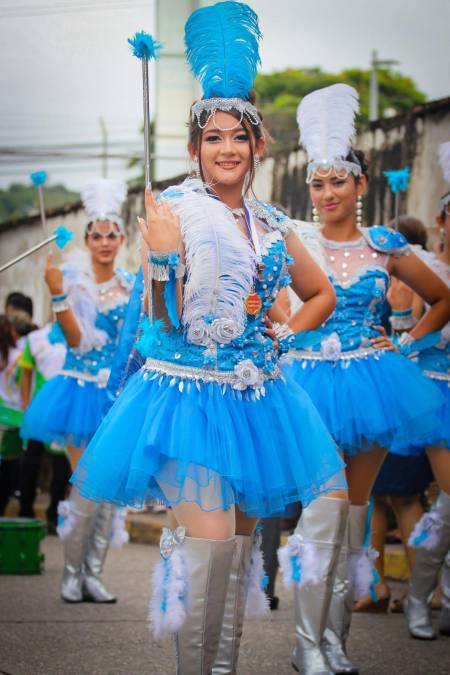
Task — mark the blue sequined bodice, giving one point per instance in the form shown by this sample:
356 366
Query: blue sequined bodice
357 270
253 344
358 309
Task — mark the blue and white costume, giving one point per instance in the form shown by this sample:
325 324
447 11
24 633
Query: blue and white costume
354 386
213 419
68 408
431 534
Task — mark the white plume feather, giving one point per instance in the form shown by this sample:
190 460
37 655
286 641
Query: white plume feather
103 197
444 160
219 259
326 121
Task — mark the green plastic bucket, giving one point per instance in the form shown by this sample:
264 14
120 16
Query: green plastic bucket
19 545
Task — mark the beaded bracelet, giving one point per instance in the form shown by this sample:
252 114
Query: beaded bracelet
160 263
402 319
59 298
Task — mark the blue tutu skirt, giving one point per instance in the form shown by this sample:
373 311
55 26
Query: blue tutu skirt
439 436
382 399
66 411
176 440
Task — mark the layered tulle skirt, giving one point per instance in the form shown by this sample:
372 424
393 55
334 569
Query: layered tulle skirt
438 436
66 411
382 398
176 439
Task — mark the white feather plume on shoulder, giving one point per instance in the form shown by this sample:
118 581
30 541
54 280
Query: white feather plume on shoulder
220 262
444 160
103 197
326 121
82 292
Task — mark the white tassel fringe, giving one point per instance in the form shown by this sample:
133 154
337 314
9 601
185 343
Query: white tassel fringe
66 520
427 531
119 533
300 562
167 611
257 601
361 571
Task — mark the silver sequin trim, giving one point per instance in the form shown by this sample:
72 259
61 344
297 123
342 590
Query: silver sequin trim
221 377
344 356
436 375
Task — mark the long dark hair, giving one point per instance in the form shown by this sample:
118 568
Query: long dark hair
7 340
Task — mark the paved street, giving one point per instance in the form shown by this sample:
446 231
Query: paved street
40 635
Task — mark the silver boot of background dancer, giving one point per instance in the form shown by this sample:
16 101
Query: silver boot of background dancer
233 618
209 566
444 619
424 577
340 614
82 511
323 523
92 587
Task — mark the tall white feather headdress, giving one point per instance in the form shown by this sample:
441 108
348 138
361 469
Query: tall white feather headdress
444 161
103 198
326 120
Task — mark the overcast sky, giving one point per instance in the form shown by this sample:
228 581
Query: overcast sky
60 71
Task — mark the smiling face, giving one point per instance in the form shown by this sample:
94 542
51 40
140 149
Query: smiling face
335 195
226 157
103 239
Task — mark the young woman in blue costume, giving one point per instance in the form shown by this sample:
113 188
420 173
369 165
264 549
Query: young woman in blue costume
89 298
369 395
432 534
208 426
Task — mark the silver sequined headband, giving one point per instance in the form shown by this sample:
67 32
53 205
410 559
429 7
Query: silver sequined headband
325 167
211 105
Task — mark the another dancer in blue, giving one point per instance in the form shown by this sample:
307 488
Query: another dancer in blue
208 425
369 395
89 298
432 534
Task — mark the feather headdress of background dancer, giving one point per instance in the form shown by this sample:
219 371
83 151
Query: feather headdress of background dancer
326 120
222 49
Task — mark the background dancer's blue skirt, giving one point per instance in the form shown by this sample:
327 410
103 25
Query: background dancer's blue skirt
65 410
172 440
403 476
439 436
382 399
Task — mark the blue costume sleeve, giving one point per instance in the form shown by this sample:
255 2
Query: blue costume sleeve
127 359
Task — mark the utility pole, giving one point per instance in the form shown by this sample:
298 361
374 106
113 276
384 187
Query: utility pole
101 121
373 92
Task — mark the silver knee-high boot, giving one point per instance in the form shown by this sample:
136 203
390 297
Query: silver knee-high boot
79 520
444 619
424 577
322 524
92 587
233 618
209 566
340 614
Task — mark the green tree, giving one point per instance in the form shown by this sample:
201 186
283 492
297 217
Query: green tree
279 93
22 200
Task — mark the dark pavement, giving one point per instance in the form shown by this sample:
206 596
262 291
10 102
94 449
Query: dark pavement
40 635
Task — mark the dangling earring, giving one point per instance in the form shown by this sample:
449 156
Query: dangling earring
315 215
256 162
195 167
359 210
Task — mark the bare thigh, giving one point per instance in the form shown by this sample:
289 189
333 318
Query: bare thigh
362 470
74 456
440 463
